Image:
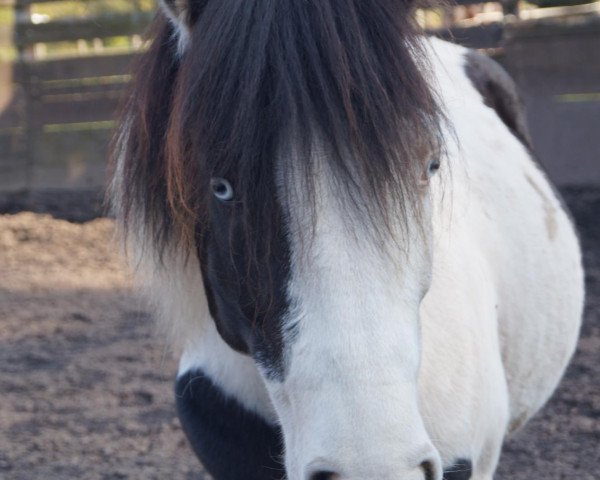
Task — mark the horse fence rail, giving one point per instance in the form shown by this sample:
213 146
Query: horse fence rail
55 131
56 123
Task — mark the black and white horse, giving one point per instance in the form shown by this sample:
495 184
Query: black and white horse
342 225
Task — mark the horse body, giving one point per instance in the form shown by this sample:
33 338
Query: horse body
393 360
507 287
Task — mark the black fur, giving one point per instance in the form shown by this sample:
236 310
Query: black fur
260 80
499 92
247 314
231 442
461 470
235 444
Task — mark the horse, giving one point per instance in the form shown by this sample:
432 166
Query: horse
342 226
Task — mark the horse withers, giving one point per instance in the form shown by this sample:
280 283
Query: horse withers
343 227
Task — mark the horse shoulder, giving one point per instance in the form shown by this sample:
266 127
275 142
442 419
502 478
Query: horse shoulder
501 198
499 92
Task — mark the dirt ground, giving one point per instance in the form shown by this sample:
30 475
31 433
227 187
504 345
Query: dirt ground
86 385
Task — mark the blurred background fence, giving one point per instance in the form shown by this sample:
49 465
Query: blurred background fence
64 66
64 69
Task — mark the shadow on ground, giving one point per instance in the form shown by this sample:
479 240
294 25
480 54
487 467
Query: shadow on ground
87 385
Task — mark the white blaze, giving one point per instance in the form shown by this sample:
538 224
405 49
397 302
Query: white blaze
349 401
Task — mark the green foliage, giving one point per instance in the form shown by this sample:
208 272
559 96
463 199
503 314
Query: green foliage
92 7
73 9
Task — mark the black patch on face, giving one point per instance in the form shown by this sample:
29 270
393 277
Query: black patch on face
462 469
246 284
499 92
231 442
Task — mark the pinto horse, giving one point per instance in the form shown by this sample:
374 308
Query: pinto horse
342 225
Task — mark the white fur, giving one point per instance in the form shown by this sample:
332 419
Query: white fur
502 317
498 324
379 378
176 289
349 401
182 29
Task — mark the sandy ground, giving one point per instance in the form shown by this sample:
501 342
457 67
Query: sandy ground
86 385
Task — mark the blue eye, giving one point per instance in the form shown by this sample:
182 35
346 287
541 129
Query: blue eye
434 166
222 189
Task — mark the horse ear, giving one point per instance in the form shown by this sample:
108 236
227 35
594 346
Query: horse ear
182 13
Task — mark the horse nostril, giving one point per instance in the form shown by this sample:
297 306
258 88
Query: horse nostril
428 468
323 475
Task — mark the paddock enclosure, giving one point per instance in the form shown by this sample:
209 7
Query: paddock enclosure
63 76
85 381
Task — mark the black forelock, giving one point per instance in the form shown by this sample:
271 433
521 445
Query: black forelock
259 76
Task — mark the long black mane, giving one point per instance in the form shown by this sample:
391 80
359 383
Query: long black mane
259 78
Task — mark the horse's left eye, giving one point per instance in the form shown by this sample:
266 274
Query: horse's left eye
434 166
222 189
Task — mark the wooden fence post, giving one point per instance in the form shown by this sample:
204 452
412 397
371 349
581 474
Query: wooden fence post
23 76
